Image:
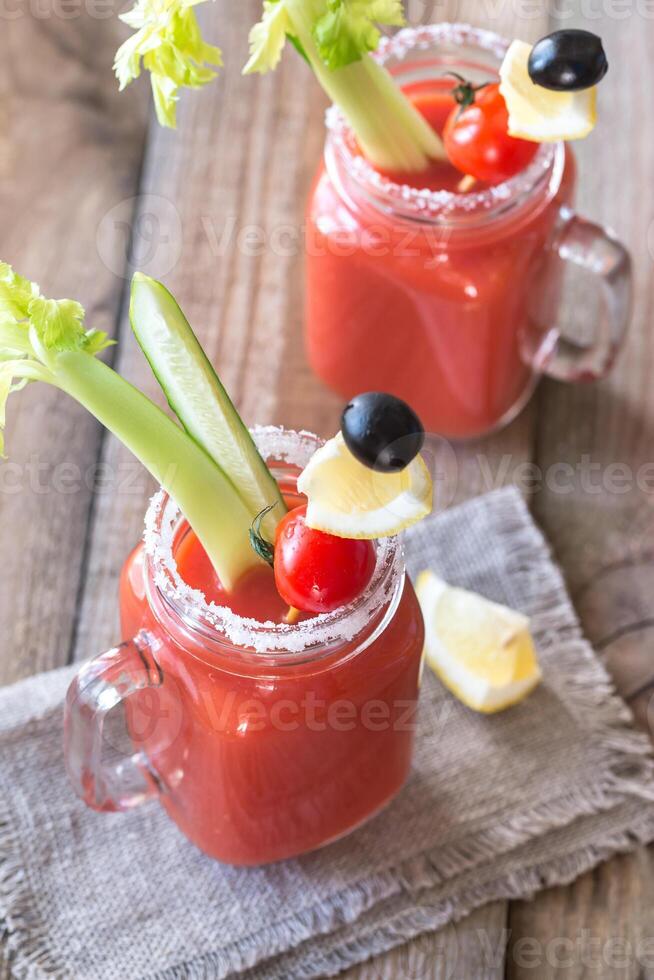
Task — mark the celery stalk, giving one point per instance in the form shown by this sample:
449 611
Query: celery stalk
203 493
393 134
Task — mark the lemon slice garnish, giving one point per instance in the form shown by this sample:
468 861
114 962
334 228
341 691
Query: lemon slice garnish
348 499
482 652
538 114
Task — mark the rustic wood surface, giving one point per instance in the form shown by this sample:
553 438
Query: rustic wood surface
70 150
82 170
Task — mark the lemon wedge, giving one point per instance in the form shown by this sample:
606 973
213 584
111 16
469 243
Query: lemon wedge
537 113
350 500
482 652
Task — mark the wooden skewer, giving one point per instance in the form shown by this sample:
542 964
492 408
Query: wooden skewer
466 184
292 616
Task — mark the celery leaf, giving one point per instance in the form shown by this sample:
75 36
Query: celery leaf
96 341
16 293
14 338
59 323
348 29
169 43
267 38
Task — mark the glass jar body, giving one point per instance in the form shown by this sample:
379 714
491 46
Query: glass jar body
258 764
444 311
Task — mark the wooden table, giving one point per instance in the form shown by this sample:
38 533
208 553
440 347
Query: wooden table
83 169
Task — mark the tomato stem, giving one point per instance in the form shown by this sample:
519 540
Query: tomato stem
465 92
263 548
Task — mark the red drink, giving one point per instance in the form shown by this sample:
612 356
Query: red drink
274 745
446 300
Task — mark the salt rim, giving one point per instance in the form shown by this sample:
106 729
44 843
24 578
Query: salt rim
162 523
442 204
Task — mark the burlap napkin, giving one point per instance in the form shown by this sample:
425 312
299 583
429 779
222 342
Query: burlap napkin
496 807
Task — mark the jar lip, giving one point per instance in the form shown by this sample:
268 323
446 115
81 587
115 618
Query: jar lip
163 521
423 203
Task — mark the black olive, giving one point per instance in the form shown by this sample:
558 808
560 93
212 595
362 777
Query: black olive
568 61
382 431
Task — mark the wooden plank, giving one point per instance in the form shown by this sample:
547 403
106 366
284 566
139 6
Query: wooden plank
473 949
601 526
600 927
70 150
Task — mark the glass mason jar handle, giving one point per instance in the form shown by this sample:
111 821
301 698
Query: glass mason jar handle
595 249
103 684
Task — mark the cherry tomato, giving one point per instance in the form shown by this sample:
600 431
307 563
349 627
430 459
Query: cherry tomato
318 572
477 139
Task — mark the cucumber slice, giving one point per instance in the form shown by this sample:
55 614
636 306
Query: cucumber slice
197 397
